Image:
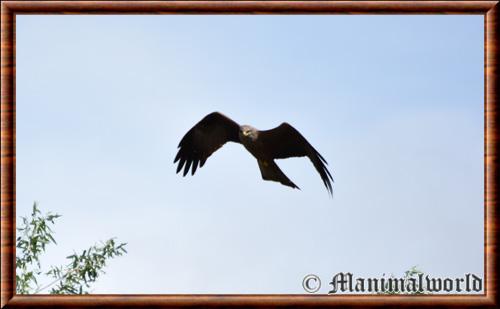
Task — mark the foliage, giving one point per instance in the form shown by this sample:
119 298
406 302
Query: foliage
84 268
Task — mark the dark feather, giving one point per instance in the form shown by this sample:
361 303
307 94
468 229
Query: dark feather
285 141
208 135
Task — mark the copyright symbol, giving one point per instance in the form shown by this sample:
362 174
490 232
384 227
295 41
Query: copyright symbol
311 283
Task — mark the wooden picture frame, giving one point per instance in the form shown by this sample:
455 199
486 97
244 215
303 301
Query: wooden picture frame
10 9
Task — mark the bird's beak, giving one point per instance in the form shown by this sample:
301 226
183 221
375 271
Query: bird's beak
246 133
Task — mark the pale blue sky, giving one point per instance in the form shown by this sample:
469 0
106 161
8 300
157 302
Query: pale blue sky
394 104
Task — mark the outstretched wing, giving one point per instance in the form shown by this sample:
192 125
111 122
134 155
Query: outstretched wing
285 141
205 138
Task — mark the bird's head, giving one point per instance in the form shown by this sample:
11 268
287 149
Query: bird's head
248 132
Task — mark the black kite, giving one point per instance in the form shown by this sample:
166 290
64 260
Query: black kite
282 142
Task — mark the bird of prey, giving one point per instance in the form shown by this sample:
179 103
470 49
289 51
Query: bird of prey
284 141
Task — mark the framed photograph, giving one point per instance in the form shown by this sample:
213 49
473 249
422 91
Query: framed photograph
249 153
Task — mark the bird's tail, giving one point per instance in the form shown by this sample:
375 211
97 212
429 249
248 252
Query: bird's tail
271 171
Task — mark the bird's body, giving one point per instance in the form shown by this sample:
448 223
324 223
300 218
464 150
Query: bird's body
257 147
284 141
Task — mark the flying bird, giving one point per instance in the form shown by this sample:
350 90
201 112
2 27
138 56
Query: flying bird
284 141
